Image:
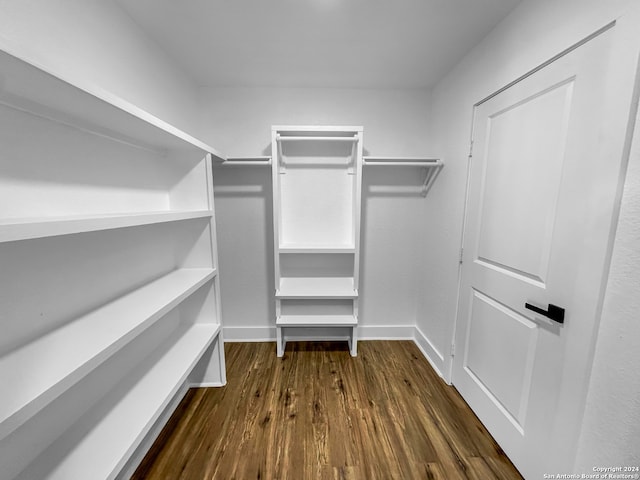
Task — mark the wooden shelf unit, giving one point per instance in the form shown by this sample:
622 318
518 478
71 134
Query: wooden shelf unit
109 285
317 176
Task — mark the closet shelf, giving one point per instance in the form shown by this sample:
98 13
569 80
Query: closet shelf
304 248
119 423
402 161
34 89
337 138
316 321
432 167
316 287
34 375
40 227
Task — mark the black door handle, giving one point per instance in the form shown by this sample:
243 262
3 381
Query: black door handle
553 312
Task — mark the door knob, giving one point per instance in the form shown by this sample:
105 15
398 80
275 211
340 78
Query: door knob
553 312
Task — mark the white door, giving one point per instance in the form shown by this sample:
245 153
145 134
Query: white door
537 229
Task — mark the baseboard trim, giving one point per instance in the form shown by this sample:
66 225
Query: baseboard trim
365 332
386 332
249 334
430 352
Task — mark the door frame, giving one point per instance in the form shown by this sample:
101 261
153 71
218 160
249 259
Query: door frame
622 93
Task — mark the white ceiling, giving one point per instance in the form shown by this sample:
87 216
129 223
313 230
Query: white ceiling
317 43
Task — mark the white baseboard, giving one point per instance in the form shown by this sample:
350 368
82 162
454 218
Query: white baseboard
430 352
386 332
365 332
249 334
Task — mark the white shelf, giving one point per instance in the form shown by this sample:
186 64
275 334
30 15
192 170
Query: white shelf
28 228
317 130
316 287
119 423
35 374
432 168
32 88
316 321
300 248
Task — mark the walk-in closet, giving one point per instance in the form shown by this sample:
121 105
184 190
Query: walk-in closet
321 239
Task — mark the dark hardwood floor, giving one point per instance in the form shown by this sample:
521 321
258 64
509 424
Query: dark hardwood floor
317 413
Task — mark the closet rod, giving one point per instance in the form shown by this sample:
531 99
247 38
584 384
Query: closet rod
405 164
281 138
241 161
400 161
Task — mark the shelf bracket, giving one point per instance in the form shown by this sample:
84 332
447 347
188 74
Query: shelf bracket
430 177
282 168
352 160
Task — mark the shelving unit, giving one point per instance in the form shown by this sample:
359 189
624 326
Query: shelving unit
109 284
317 175
432 167
120 421
98 335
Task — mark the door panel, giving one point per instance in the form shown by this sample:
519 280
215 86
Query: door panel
516 221
532 236
497 332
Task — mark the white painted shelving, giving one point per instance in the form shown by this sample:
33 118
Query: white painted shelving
317 175
109 288
96 336
316 287
53 96
432 167
27 228
320 320
118 424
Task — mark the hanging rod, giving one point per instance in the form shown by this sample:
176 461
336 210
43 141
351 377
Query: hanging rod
432 167
281 138
402 161
242 161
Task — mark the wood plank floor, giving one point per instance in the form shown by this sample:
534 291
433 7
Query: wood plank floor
317 413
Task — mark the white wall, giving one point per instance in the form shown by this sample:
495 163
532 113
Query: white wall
395 123
533 33
611 427
94 42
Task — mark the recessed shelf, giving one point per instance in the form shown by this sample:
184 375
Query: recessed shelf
29 228
302 248
31 88
316 321
102 441
38 372
316 287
